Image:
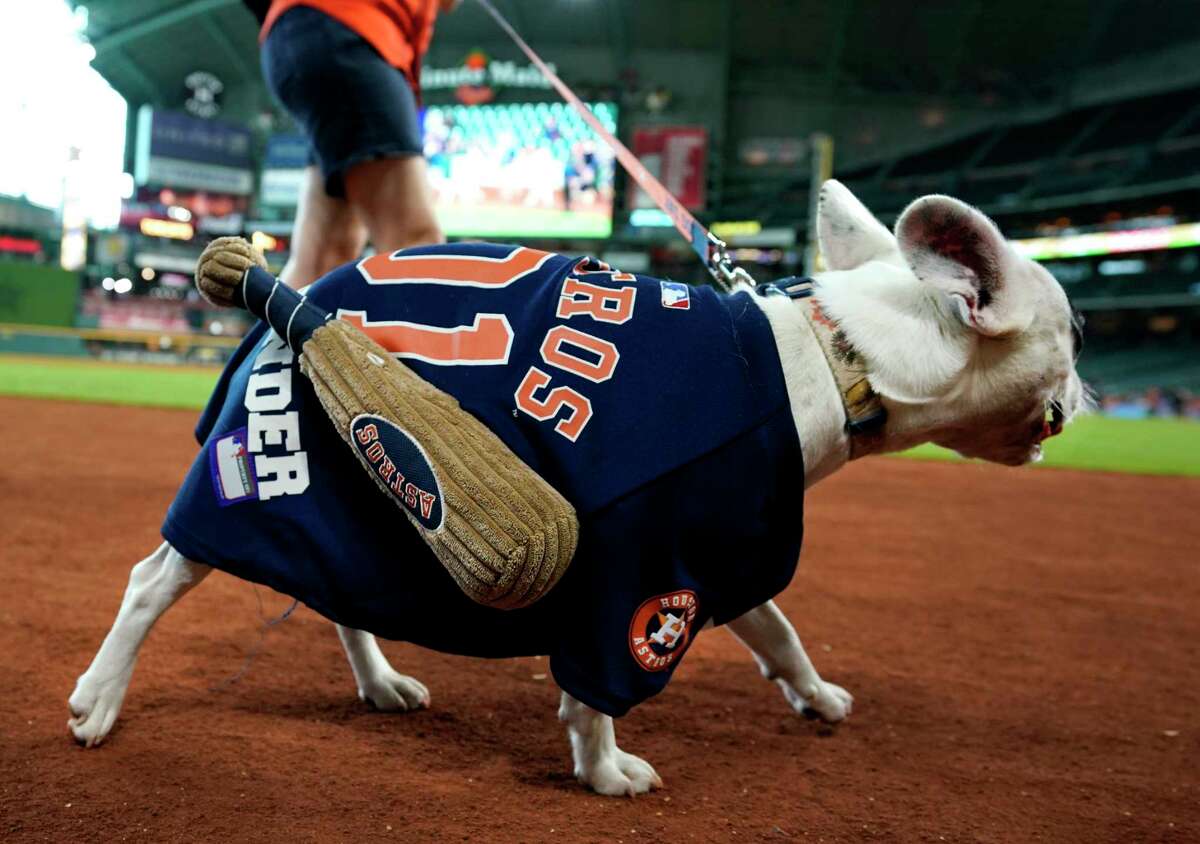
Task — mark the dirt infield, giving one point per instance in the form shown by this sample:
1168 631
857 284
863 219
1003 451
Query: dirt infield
1024 648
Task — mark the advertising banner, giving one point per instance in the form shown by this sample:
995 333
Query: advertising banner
283 170
678 156
479 78
179 151
286 151
212 213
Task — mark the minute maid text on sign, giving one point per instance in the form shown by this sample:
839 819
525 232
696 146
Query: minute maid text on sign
476 73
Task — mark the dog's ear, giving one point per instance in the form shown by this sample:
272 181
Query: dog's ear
955 248
848 233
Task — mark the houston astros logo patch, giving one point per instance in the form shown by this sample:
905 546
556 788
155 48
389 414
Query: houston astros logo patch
400 466
662 628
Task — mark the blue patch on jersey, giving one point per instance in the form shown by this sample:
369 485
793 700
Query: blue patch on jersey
232 468
400 463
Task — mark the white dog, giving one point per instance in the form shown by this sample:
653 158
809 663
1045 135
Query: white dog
962 342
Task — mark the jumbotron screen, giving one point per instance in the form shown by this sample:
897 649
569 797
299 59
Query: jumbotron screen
520 170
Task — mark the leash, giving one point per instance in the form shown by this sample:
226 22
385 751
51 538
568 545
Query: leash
711 250
268 623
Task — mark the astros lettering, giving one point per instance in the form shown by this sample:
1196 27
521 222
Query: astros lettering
411 494
488 340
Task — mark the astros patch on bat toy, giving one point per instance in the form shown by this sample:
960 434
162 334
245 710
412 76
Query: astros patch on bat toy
612 457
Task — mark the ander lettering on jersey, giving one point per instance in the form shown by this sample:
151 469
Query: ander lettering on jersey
272 429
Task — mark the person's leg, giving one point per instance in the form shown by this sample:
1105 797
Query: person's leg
301 62
392 197
361 118
328 232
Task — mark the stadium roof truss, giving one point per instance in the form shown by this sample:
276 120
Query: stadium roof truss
1015 63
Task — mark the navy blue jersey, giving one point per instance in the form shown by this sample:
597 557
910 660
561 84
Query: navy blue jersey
659 410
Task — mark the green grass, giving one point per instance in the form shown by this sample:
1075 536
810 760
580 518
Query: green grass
1149 446
1140 446
84 380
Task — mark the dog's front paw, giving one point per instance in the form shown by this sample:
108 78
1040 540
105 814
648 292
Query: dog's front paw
828 701
94 707
391 691
620 774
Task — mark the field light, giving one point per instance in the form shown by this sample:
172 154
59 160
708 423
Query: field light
173 229
1109 243
263 242
123 285
1129 266
147 274
649 218
108 283
736 228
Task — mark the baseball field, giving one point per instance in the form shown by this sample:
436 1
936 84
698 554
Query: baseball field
1022 646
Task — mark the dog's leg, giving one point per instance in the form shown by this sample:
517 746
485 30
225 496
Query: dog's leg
599 763
154 585
780 656
378 683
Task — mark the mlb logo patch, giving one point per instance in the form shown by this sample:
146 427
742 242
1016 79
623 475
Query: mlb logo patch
675 295
232 468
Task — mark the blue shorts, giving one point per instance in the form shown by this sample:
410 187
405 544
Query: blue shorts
352 105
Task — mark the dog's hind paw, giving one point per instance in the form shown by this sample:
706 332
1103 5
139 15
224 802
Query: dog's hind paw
826 701
620 774
94 707
391 691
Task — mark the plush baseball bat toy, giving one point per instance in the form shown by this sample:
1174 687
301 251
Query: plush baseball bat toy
501 531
